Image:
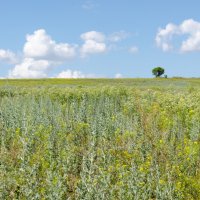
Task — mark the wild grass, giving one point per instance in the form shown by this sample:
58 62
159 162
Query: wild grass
100 140
128 82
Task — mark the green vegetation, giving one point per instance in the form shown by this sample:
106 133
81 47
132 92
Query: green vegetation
100 139
158 71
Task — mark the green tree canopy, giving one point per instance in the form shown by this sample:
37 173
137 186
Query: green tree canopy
158 71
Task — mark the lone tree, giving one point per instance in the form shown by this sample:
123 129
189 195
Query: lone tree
158 71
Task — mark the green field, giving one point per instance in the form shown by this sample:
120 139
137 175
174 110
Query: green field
140 82
100 139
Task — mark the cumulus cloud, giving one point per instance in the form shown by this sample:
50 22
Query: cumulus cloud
71 74
94 42
192 28
41 53
164 37
8 56
30 68
92 47
39 45
74 74
189 27
93 35
133 50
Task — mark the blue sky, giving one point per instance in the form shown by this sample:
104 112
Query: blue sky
99 38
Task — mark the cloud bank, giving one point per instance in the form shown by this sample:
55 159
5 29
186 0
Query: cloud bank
189 28
30 68
71 74
41 53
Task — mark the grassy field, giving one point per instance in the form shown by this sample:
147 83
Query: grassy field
100 139
140 82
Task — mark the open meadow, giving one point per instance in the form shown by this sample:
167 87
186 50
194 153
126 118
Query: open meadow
100 139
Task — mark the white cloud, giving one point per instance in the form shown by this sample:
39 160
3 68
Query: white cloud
164 37
39 45
92 47
118 75
188 27
30 68
133 50
192 28
94 43
93 35
71 74
118 36
7 56
41 53
192 43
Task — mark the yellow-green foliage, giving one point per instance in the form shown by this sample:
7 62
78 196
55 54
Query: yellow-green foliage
100 139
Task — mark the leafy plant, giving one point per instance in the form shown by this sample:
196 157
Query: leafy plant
100 142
